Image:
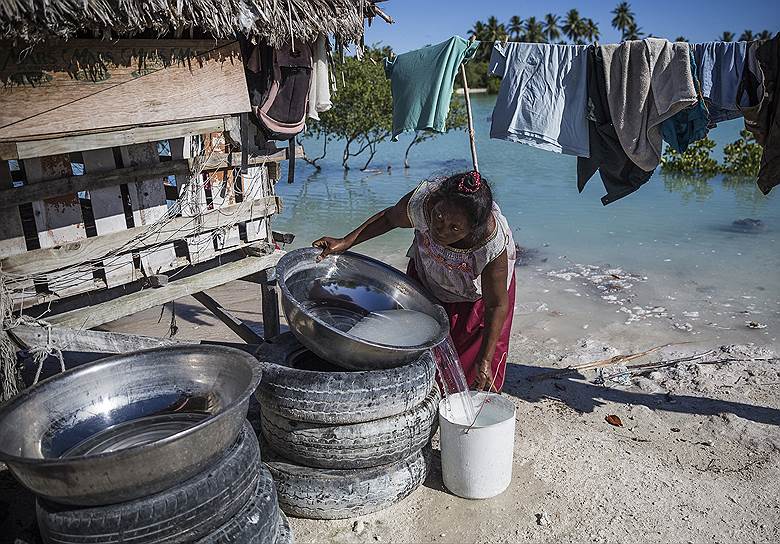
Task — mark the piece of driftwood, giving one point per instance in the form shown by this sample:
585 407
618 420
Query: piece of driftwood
93 316
233 323
97 248
617 359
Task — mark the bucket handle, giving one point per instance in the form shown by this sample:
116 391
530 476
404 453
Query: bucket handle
490 388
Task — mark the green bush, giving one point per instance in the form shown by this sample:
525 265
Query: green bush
696 160
493 84
743 157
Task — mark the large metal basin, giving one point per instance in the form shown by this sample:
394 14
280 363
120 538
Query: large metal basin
324 300
128 425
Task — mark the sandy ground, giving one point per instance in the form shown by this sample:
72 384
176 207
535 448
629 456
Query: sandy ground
696 460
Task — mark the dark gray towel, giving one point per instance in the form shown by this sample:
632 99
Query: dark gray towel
648 81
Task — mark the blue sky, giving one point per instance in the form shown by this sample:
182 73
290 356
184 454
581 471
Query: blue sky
421 22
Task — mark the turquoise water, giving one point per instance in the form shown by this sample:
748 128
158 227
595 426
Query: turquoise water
676 233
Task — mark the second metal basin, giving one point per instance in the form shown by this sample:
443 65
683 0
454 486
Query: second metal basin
129 425
322 301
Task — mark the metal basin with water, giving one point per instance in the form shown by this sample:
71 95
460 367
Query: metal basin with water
129 425
322 301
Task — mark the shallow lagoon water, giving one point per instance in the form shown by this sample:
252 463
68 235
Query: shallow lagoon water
677 233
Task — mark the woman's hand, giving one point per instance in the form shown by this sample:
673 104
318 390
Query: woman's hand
484 379
331 246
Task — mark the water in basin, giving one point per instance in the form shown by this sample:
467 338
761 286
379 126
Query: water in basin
403 328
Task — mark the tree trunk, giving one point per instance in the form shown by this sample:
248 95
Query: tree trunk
372 148
313 161
346 155
414 141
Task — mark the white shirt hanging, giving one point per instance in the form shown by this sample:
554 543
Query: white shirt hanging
319 87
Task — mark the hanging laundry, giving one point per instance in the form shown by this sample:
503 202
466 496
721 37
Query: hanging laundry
648 81
759 89
690 124
543 96
319 88
719 69
422 81
619 174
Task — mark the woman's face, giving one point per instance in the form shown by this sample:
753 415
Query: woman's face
449 224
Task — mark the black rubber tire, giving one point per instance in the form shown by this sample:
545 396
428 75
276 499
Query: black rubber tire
284 535
256 523
317 493
359 445
189 511
328 394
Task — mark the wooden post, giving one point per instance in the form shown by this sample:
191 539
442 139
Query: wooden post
471 122
270 302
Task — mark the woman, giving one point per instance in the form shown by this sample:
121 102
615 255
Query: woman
463 253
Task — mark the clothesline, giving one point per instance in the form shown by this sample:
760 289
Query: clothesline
609 105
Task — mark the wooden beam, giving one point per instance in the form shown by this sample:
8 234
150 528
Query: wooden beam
86 318
216 160
97 139
67 339
234 324
48 306
99 248
89 182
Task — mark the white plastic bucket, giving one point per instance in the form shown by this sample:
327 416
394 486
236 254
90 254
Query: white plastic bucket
476 463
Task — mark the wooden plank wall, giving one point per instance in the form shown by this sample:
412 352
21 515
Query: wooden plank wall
115 229
84 87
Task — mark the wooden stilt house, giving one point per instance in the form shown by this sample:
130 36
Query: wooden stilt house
131 173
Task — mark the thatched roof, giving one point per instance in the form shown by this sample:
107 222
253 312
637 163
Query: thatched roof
30 21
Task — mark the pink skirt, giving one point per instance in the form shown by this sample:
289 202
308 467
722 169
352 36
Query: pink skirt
467 324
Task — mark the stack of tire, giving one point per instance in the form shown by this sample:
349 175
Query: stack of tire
232 501
344 443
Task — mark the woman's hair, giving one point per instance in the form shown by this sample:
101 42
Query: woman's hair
471 192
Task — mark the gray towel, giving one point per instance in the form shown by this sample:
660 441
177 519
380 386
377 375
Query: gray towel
648 81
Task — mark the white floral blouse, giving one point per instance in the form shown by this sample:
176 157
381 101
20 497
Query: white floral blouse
452 274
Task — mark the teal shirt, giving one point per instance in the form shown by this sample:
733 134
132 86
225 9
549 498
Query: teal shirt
422 82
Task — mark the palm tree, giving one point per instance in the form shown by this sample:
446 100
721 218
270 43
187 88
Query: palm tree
478 32
623 17
633 32
726 36
534 31
572 26
764 35
591 30
495 31
515 27
747 36
551 29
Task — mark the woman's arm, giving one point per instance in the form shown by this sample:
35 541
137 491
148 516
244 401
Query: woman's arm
388 219
494 293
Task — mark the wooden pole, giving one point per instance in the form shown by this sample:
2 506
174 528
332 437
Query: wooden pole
471 122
